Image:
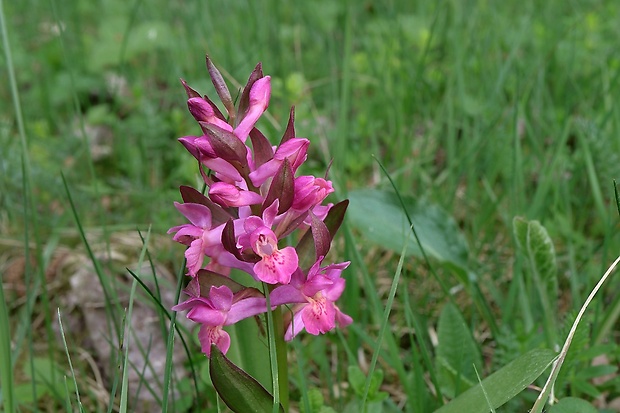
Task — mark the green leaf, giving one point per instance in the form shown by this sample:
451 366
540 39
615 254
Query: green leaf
617 196
572 405
534 241
541 251
315 399
502 385
519 227
379 217
357 379
536 245
457 352
240 392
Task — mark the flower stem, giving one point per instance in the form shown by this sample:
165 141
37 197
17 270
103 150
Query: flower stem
281 352
277 353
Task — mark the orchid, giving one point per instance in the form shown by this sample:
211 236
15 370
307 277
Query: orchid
253 205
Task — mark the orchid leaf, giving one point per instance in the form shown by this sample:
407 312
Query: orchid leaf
378 215
208 279
321 236
282 188
502 385
191 93
240 391
228 239
225 144
220 87
218 214
306 249
289 133
244 101
263 151
286 228
335 216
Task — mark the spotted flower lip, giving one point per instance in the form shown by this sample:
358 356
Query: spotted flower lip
276 265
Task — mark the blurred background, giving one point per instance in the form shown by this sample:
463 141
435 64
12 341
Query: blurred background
485 110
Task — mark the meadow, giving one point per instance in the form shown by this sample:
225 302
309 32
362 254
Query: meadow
478 143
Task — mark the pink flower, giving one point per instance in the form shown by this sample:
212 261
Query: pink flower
314 299
259 101
199 235
228 195
310 191
202 150
219 309
276 265
295 150
202 111
204 240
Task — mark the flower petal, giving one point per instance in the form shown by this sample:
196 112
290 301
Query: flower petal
277 267
213 335
319 317
198 214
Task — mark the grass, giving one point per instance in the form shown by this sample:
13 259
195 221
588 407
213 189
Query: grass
489 110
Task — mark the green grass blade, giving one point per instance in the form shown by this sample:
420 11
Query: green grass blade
170 346
64 342
384 325
6 363
544 394
125 382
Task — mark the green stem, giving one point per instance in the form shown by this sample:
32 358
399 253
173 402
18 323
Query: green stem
277 352
281 353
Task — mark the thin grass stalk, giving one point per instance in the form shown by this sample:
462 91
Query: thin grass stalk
29 202
277 354
103 280
102 217
384 325
170 344
165 312
125 382
64 342
425 352
6 364
557 365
